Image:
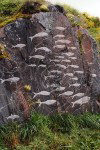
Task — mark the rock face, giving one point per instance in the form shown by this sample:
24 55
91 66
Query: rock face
45 53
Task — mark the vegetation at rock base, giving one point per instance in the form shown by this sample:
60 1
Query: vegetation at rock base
56 132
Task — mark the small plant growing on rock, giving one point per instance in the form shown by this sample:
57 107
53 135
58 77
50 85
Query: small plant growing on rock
27 88
4 53
80 36
44 8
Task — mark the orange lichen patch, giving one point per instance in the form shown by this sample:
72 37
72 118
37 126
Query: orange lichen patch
12 141
23 103
87 49
2 32
6 55
79 34
15 140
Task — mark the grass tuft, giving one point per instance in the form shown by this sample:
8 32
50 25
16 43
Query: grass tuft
52 132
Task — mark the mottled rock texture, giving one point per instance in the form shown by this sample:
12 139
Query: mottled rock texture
46 54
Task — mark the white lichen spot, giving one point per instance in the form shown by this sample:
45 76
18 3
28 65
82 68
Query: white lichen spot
94 75
60 28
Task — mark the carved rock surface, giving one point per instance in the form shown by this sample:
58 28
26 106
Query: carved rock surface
45 54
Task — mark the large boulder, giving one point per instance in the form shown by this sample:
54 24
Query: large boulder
45 55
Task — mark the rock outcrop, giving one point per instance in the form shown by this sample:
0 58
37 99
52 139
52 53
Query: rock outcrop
45 54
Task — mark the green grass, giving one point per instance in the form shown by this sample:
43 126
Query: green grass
56 132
